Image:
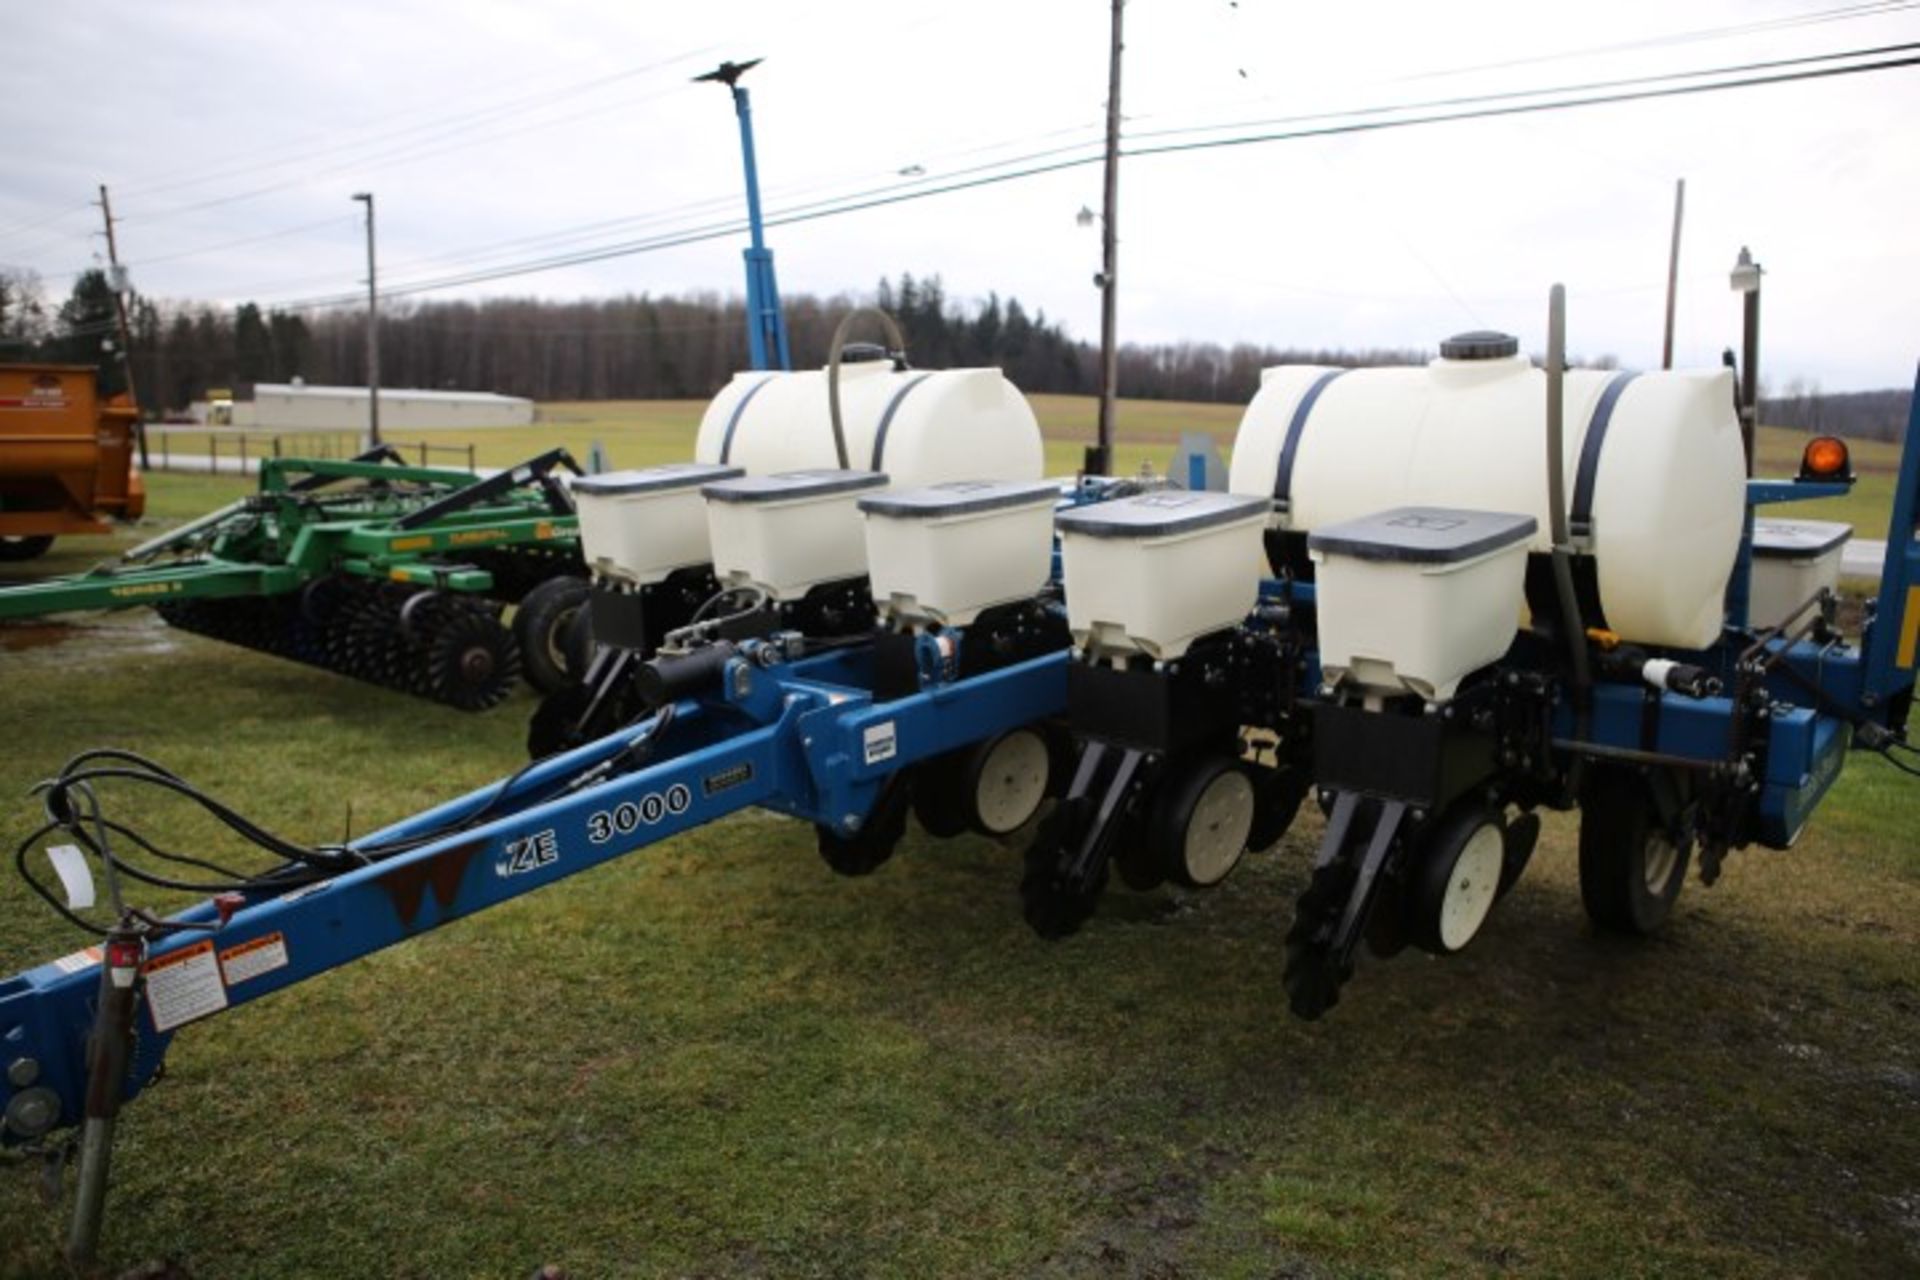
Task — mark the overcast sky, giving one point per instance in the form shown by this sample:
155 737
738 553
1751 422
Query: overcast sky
232 134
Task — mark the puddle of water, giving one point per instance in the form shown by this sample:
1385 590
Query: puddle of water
65 643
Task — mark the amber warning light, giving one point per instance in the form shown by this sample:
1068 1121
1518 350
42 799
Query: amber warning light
1826 458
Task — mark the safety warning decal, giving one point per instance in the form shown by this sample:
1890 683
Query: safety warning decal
879 742
78 960
183 985
251 959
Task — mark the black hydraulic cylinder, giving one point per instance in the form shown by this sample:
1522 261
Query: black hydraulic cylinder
668 677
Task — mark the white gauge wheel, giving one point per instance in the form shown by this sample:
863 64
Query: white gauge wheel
1011 782
1658 860
1216 834
1471 887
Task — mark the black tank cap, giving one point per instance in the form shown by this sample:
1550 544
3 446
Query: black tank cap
1480 344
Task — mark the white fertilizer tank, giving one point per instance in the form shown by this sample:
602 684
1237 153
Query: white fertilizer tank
1654 470
921 427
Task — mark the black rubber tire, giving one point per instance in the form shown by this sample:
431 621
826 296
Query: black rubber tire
940 795
1278 793
1173 813
867 850
1619 828
541 625
577 640
1432 874
25 548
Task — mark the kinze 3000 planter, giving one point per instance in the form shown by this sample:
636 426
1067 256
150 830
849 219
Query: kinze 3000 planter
869 652
388 573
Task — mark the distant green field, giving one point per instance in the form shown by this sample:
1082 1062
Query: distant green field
640 433
1868 508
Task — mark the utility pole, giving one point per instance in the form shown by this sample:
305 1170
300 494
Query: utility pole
373 331
118 281
1102 459
1673 271
766 326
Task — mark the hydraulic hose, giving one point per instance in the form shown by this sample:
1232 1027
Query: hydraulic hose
896 346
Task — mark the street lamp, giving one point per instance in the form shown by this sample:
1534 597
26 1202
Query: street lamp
373 330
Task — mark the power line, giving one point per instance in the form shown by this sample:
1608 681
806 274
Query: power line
1875 9
461 121
441 129
1633 95
1630 91
1512 94
338 220
14 229
793 213
1868 9
479 253
465 119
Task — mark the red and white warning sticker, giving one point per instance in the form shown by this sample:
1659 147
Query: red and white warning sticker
251 959
183 985
78 961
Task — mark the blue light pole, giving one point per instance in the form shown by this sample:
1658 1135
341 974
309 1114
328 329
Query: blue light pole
766 327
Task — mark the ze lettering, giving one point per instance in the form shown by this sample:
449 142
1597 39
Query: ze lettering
529 853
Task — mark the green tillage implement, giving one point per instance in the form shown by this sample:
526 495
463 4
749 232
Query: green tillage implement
388 573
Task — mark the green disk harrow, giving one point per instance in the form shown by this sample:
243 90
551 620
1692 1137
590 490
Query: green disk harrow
388 573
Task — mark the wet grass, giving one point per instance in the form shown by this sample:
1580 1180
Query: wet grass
715 1058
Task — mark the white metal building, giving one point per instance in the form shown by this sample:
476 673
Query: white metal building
280 406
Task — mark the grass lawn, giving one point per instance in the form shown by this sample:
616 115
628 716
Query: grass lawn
638 433
715 1058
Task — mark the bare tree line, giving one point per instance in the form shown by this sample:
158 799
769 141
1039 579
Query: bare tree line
1861 415
672 347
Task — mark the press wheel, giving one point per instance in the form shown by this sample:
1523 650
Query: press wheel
1201 819
1455 881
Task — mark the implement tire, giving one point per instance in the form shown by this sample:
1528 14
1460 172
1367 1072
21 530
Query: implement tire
1631 869
540 626
33 547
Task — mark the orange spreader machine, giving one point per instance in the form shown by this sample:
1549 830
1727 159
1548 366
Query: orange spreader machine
66 457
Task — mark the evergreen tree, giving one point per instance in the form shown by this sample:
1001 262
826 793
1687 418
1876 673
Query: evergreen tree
291 346
252 346
86 331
